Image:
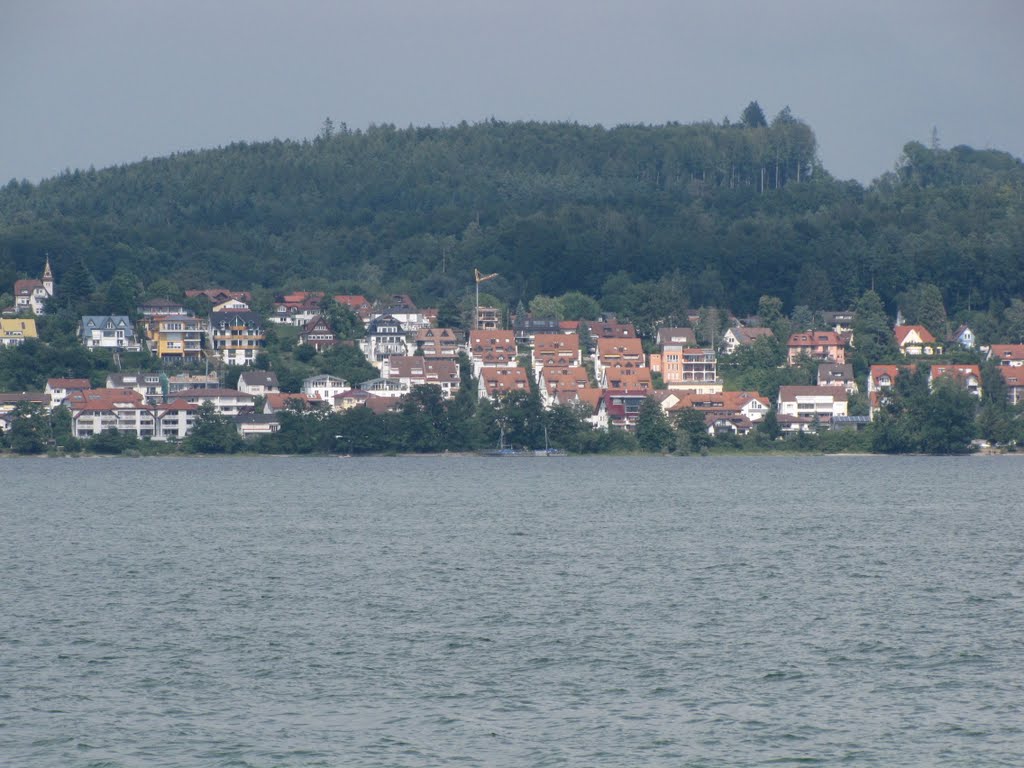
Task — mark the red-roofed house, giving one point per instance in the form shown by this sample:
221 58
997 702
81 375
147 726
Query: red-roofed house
552 381
1013 377
967 376
1007 354
823 346
555 349
358 304
492 349
628 378
617 353
881 379
498 381
437 342
916 340
59 389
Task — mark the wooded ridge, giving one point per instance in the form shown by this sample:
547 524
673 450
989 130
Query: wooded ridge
708 214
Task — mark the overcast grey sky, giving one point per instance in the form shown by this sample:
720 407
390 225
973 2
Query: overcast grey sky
104 82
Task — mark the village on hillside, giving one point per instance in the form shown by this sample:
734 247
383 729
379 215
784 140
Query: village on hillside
601 367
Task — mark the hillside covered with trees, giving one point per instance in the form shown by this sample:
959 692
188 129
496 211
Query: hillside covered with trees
647 220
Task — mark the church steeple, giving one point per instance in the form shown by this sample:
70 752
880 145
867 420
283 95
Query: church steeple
48 277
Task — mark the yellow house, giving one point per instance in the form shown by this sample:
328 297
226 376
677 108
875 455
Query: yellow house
13 331
174 337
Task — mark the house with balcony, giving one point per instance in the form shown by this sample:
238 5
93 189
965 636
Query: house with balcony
181 381
176 338
162 308
492 349
819 404
619 408
148 384
237 338
226 402
915 340
297 308
108 332
437 342
623 352
552 381
94 411
555 350
324 387
385 336
317 334
822 346
415 371
635 379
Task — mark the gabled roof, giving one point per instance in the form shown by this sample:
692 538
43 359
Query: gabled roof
68 384
1006 352
620 347
312 324
613 330
815 339
103 399
628 378
504 380
748 335
236 317
106 321
1013 376
902 332
590 396
792 392
958 372
835 372
258 379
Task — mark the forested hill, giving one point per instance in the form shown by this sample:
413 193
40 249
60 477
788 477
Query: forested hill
721 213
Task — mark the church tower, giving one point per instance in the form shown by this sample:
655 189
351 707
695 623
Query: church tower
48 278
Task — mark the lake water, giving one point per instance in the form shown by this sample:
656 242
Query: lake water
442 611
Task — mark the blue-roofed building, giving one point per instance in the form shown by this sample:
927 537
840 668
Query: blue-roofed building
108 332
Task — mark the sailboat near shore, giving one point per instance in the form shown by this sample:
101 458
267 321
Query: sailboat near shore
504 451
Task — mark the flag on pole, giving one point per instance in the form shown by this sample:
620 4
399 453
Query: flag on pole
480 277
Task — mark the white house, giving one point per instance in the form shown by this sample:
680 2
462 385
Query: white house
821 403
324 387
108 332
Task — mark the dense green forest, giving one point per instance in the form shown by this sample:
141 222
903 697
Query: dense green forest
700 215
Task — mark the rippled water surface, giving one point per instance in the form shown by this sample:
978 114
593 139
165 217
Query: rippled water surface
520 612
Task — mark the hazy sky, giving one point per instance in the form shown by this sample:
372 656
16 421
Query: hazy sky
103 82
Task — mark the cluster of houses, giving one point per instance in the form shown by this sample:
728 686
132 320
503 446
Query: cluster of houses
600 367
